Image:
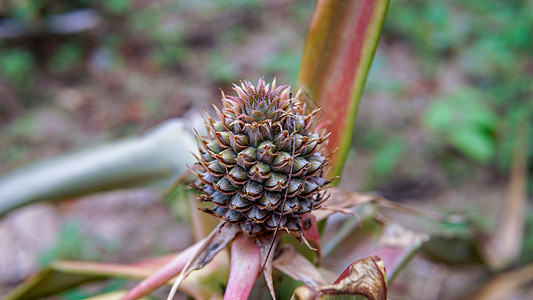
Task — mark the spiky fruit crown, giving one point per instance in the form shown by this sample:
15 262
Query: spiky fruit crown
261 163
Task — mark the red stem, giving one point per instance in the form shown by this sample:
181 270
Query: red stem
244 268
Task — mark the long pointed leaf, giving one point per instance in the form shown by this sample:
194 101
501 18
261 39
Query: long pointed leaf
338 51
62 276
160 154
112 296
49 282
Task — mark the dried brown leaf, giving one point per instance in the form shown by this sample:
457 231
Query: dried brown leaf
298 267
365 277
265 242
214 243
341 199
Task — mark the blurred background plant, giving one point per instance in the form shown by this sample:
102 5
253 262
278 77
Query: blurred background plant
449 87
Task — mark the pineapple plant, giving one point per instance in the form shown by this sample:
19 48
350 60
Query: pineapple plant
262 161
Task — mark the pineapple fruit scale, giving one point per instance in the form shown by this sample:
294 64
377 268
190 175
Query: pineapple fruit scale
262 159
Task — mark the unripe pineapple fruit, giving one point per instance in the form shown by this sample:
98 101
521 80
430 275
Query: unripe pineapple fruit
261 162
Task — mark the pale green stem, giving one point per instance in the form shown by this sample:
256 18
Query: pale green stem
160 154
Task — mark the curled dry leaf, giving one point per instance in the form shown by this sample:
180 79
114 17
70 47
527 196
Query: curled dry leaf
214 243
266 243
365 277
340 199
298 267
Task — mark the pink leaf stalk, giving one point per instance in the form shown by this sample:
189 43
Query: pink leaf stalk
244 268
163 275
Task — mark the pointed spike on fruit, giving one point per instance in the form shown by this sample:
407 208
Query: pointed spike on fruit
285 93
231 102
206 114
299 93
239 91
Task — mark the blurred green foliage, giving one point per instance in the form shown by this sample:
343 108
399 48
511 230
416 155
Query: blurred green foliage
376 83
286 62
80 293
464 120
16 66
117 6
527 246
492 41
490 35
72 244
16 134
386 158
220 70
155 35
66 56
